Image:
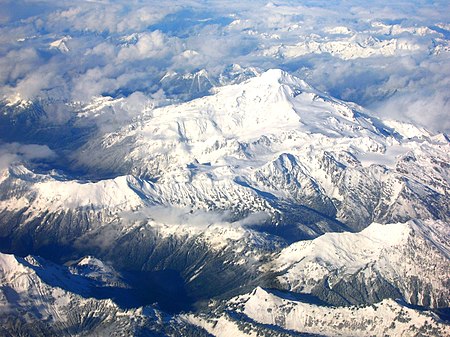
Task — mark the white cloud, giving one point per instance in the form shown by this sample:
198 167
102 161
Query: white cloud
430 111
18 63
111 17
119 47
16 152
148 45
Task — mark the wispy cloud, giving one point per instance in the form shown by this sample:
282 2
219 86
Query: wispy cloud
16 152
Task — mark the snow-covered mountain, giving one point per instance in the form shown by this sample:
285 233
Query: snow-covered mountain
215 197
197 84
377 40
276 136
262 309
408 260
346 48
38 298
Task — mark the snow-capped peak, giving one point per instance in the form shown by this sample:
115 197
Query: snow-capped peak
275 106
61 44
18 101
277 99
273 76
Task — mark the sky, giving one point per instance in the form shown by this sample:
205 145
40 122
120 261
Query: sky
391 57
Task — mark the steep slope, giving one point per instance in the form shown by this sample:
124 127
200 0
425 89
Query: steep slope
328 155
408 260
187 86
115 219
385 318
29 305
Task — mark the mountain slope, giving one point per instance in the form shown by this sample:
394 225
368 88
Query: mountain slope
356 168
384 318
31 306
214 197
405 259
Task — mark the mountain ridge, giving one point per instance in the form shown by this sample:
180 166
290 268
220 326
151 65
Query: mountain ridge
213 192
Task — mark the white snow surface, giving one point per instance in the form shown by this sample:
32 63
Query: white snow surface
53 195
61 44
186 169
51 303
346 46
399 252
270 135
244 126
380 319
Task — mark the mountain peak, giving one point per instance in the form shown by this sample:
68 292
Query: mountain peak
278 76
274 74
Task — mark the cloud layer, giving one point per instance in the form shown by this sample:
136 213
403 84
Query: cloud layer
391 57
